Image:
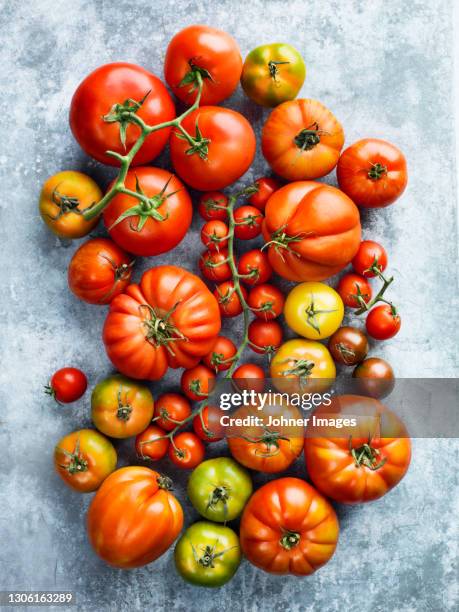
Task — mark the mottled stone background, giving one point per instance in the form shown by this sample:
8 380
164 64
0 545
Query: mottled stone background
385 67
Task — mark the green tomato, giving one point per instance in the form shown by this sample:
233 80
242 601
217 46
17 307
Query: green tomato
207 554
219 489
273 74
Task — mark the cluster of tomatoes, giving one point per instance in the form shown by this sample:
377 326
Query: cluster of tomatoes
123 115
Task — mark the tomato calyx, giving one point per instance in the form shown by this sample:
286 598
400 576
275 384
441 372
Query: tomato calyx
218 359
210 204
66 204
346 353
274 70
220 495
208 554
366 455
195 387
280 240
377 171
199 144
123 411
159 329
165 483
308 137
77 463
311 314
191 77
269 439
289 539
302 368
124 113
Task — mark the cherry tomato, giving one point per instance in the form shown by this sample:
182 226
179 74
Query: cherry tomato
370 258
265 336
195 382
375 377
214 235
220 357
213 205
67 385
188 451
249 376
248 220
214 265
266 187
151 443
348 345
383 322
201 422
266 301
254 267
354 290
170 409
228 299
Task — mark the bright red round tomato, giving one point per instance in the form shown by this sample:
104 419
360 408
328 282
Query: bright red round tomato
221 356
370 258
187 451
170 410
196 382
248 220
228 299
383 322
249 376
213 205
265 336
151 443
155 226
126 85
266 187
201 424
214 265
266 301
223 150
254 267
213 54
67 385
214 235
98 271
372 172
354 289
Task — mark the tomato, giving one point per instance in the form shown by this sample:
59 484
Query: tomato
196 382
312 229
369 259
248 220
213 205
219 489
372 172
99 270
63 199
133 518
354 290
273 74
83 459
221 355
207 554
214 265
383 322
213 54
153 226
121 408
313 310
214 235
288 528
375 377
206 423
223 150
169 319
365 461
187 451
114 89
67 385
249 376
170 410
152 443
302 139
301 365
254 267
266 301
265 336
228 299
348 345
266 187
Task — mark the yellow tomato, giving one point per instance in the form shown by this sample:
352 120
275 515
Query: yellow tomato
63 199
313 310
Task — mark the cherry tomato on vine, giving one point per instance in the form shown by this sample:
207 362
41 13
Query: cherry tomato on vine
228 299
266 187
213 205
196 382
249 376
214 265
188 451
213 54
266 301
67 385
151 443
214 235
219 358
265 336
201 426
375 377
348 345
248 220
171 408
254 267
354 289
370 257
383 322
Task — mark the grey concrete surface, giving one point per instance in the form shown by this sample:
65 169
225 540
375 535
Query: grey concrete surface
385 68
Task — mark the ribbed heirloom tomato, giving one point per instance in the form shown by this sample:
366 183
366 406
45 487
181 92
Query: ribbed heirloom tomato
169 319
312 229
133 518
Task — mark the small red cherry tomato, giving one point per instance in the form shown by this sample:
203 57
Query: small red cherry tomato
213 205
151 443
214 235
265 336
214 265
266 301
370 257
254 267
228 299
266 187
248 220
170 409
220 357
67 385
383 322
201 424
187 451
249 376
195 382
354 290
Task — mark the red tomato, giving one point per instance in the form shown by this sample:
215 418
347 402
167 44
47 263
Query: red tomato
370 258
383 322
250 376
188 451
127 85
196 382
221 355
213 54
201 424
214 235
265 336
98 271
248 220
214 265
354 290
152 227
372 172
266 187
228 299
170 410
151 443
254 267
67 385
266 301
223 151
213 205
